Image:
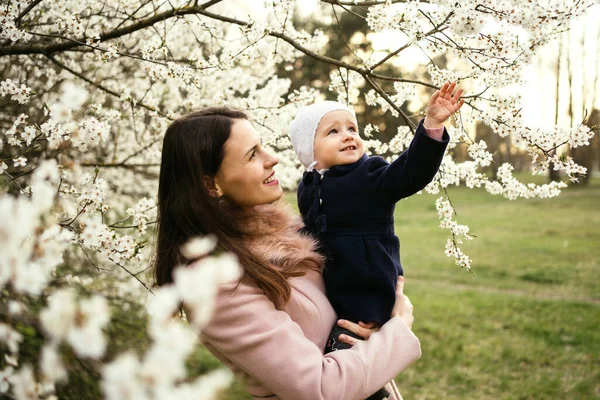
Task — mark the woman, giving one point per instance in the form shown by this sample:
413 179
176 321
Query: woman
272 325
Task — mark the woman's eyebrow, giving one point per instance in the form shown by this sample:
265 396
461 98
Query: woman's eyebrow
251 150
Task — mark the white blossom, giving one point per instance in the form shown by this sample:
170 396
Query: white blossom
580 136
85 335
18 93
11 360
80 324
197 284
163 304
478 152
51 364
5 375
198 246
142 212
16 307
60 112
58 316
23 384
92 132
73 96
10 337
119 379
20 161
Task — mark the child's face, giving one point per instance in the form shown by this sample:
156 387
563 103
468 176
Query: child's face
337 141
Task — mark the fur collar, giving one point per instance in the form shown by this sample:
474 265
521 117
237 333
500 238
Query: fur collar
273 234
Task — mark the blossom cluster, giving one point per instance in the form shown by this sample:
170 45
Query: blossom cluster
345 83
478 152
158 372
9 12
79 323
16 92
548 140
458 233
139 213
402 93
31 249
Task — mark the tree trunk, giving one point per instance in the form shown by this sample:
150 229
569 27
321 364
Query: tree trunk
553 175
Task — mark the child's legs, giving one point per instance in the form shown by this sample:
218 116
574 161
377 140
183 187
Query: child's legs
333 343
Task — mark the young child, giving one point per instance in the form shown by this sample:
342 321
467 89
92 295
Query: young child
347 201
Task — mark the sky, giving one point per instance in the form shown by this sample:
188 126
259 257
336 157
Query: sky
582 45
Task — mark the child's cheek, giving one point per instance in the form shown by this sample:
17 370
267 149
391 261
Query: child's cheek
361 143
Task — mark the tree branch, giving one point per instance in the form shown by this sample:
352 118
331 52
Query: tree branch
134 276
26 11
342 35
365 3
387 98
119 165
435 29
114 34
99 86
209 3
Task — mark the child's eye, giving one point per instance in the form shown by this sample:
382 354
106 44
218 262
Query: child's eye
352 129
253 154
332 131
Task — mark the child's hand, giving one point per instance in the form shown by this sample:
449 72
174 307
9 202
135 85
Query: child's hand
442 105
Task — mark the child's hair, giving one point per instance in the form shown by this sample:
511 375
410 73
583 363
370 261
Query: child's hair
304 127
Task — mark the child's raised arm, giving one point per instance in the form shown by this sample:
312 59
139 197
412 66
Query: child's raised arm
417 166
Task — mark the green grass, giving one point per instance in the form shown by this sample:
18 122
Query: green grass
548 247
526 325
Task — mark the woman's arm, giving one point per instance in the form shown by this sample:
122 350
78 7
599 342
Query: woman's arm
266 344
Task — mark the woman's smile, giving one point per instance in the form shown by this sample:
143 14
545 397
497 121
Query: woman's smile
271 180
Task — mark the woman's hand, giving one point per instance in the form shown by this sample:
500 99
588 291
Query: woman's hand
362 329
403 308
442 105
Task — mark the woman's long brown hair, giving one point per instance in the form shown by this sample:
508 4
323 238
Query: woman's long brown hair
193 149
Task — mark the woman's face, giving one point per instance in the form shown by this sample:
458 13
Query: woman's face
246 177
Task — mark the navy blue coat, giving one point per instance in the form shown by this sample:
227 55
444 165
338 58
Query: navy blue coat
350 209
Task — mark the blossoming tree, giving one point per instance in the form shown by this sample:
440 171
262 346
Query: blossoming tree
88 89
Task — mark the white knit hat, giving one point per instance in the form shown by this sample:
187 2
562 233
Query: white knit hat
304 127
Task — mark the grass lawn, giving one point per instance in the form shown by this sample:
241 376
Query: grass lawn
526 325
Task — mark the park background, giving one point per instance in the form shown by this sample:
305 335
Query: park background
522 324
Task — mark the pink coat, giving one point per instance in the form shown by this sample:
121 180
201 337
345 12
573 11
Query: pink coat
280 351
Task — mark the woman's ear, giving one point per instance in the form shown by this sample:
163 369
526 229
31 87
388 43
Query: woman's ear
213 188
